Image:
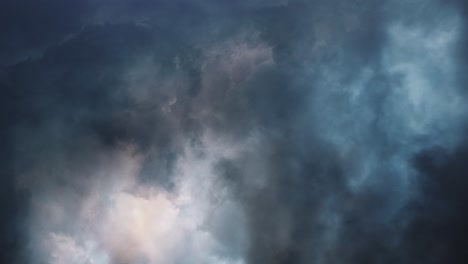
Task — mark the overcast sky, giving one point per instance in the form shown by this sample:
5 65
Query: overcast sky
234 132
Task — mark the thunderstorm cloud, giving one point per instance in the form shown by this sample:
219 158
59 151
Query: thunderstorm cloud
233 132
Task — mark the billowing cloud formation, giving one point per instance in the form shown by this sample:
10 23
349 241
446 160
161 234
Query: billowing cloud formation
242 132
126 222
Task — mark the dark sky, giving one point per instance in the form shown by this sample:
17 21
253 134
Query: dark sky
234 132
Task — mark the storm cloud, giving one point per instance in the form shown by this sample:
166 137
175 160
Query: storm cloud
234 132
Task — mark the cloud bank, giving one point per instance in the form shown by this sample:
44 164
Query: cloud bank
233 132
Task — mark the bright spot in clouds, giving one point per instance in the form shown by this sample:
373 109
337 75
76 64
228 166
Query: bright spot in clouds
135 223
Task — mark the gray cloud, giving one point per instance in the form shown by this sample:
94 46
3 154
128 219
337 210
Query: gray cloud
245 132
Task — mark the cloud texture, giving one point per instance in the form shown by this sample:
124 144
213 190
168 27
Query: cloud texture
233 132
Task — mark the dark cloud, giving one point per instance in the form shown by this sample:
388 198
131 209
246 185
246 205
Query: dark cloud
250 132
439 215
28 27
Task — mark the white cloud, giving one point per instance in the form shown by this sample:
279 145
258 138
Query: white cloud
123 221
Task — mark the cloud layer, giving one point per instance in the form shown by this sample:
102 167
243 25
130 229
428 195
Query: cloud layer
245 132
